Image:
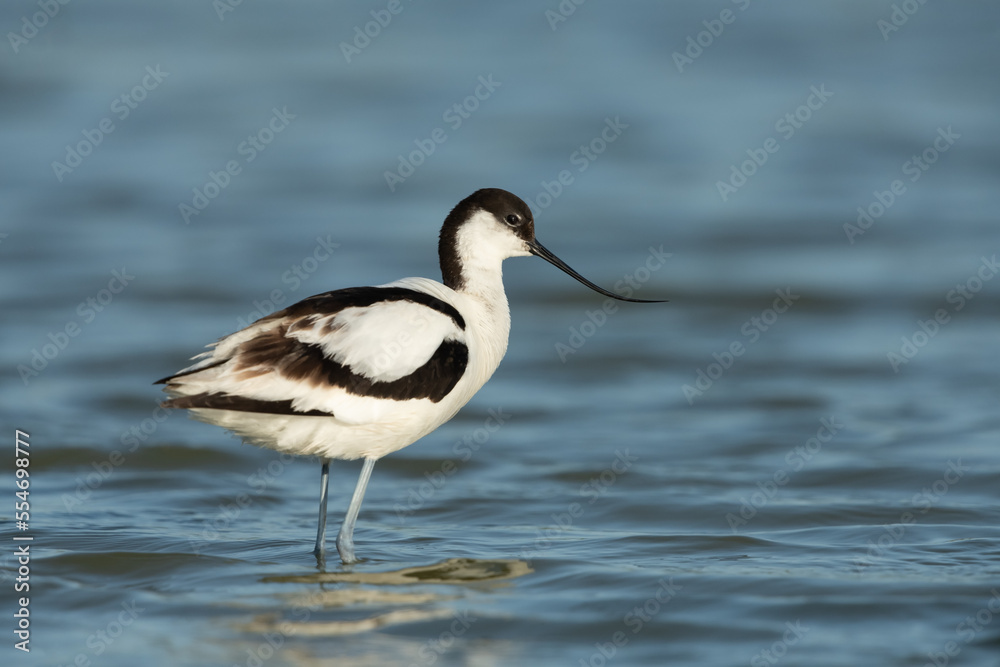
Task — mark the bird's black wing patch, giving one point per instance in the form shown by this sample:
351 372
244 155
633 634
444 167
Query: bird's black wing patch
239 404
330 303
189 372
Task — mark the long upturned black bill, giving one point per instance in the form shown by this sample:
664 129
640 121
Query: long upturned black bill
538 250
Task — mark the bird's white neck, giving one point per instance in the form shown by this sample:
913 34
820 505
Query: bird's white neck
487 303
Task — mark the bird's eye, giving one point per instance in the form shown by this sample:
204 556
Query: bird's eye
513 219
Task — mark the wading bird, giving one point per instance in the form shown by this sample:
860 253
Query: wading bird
364 371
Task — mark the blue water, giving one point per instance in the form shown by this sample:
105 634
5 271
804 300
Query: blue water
793 462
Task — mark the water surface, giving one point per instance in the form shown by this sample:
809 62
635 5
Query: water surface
793 462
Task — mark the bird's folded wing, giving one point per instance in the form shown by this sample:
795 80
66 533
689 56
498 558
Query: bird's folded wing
326 354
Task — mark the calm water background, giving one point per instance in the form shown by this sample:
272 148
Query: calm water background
803 503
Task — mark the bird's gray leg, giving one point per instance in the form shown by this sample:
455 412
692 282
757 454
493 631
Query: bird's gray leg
345 539
321 530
